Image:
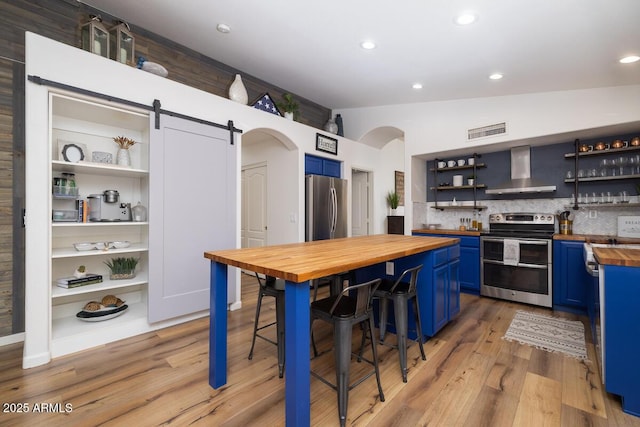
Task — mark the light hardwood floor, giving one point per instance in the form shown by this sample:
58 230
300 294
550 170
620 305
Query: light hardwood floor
471 378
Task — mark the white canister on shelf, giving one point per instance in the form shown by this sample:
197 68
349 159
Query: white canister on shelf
457 180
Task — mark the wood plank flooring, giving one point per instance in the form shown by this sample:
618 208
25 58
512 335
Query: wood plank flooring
471 378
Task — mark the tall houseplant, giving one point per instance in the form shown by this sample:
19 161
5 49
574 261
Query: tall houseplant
290 106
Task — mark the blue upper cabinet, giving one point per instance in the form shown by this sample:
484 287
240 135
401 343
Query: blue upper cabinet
314 165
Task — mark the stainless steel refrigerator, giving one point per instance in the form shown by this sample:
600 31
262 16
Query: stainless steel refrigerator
326 201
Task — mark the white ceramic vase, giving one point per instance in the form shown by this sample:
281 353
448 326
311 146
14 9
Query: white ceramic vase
331 126
288 115
123 158
237 91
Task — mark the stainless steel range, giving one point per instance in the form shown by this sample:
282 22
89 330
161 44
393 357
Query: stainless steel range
516 256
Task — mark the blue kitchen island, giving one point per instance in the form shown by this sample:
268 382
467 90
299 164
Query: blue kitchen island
298 264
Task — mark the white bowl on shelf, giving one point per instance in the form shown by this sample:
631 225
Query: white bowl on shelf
120 244
84 246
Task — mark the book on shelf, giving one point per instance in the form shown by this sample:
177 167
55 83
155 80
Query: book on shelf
82 208
73 282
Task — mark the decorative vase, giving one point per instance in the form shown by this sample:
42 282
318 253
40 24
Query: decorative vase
340 125
331 126
123 158
288 115
470 181
237 91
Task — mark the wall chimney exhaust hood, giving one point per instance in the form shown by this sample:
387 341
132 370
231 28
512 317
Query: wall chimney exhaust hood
521 181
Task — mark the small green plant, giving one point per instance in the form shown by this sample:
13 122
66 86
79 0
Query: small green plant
289 105
393 199
122 268
471 177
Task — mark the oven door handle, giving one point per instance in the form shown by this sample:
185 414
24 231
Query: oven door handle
520 240
536 266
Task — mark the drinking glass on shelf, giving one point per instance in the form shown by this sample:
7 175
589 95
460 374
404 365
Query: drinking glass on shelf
634 164
613 165
604 165
622 163
624 197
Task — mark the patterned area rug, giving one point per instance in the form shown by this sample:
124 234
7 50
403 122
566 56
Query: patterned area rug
548 333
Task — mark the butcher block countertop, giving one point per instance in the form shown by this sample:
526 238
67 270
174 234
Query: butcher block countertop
446 231
299 262
596 238
618 256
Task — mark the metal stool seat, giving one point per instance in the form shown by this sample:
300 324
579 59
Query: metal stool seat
400 293
344 310
272 287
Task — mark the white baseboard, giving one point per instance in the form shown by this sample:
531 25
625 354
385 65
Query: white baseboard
12 339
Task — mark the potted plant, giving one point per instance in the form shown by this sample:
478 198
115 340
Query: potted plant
122 268
393 199
289 106
471 179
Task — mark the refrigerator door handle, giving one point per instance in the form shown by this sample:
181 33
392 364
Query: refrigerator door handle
334 210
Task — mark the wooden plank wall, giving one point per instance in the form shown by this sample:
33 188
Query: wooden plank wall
60 20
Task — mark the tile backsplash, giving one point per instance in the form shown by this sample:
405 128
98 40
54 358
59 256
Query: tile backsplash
603 220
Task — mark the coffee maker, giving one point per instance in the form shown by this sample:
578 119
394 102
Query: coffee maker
107 207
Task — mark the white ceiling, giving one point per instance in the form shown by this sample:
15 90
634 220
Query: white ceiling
312 48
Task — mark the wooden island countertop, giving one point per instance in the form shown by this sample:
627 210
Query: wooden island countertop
624 257
299 262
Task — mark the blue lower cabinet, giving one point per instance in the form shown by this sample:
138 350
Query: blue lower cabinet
469 261
571 282
621 330
438 288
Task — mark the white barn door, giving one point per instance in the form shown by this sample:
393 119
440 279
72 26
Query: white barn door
192 209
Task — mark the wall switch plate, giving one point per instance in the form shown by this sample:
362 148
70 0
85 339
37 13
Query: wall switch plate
390 268
593 214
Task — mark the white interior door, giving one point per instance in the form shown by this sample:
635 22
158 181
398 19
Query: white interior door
192 209
254 206
360 203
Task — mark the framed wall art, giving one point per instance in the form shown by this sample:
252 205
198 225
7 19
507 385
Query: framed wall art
326 144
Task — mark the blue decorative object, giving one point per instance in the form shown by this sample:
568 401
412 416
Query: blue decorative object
340 126
265 103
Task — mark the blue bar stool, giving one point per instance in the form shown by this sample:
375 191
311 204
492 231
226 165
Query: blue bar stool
400 293
351 306
272 287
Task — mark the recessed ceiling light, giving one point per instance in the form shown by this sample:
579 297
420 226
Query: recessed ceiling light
496 76
417 86
466 18
629 59
368 44
223 28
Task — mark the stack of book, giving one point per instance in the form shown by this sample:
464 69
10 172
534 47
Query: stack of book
74 282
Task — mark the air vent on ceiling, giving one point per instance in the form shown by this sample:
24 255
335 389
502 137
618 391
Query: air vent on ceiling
485 131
